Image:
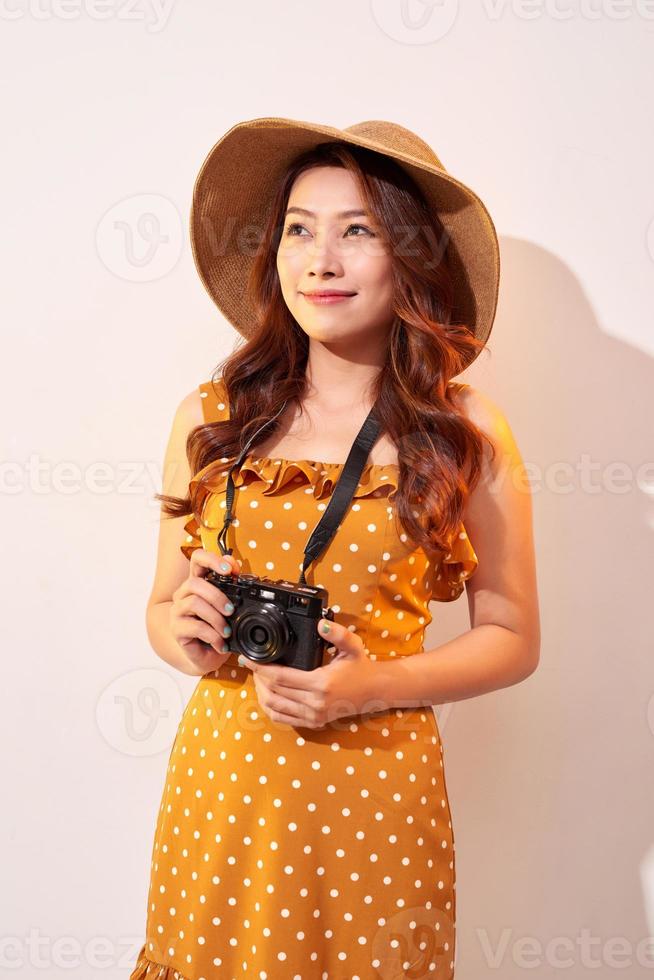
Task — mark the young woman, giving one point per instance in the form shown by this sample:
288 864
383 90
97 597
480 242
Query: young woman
305 828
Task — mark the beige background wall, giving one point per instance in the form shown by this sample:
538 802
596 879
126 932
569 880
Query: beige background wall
545 109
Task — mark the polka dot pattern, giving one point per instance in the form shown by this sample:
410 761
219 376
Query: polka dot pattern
287 851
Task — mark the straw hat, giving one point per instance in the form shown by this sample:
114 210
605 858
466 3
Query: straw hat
234 187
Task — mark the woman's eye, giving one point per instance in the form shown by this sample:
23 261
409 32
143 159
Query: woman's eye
289 228
363 227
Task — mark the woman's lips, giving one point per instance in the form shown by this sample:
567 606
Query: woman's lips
326 298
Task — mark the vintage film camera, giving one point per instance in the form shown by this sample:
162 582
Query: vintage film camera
275 621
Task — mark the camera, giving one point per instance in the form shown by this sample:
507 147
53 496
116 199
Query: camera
275 621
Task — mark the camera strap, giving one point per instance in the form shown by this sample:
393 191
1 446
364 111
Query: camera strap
340 500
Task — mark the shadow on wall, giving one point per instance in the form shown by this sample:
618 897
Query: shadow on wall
550 780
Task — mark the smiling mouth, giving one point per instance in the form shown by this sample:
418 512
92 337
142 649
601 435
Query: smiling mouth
327 297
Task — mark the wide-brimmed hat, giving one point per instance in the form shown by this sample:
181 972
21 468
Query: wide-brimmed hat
235 185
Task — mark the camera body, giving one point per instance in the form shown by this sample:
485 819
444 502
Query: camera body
275 621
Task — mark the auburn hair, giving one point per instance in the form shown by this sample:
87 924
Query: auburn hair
439 448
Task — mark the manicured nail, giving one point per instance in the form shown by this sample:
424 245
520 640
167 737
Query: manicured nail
224 567
242 660
324 626
228 630
229 607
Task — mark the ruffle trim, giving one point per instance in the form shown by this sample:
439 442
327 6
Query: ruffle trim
146 969
455 567
378 479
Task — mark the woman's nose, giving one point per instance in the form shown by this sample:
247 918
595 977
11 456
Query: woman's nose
323 256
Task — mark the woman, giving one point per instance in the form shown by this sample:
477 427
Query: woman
305 827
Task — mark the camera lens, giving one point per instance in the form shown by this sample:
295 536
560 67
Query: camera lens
262 632
259 636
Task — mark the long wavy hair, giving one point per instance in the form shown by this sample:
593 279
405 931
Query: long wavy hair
439 449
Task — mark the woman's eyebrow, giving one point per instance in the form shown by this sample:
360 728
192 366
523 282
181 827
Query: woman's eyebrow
352 213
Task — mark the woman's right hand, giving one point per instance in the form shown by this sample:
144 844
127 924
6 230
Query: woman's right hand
198 618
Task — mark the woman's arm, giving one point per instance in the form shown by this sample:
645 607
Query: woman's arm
172 567
503 645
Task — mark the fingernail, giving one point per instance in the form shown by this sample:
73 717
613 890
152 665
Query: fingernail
224 567
241 660
324 626
229 607
228 630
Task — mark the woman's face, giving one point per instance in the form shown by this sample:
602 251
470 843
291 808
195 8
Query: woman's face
328 250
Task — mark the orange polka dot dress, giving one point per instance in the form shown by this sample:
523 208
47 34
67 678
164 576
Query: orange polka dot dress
294 853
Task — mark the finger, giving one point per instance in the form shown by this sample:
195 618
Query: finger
199 586
195 605
270 688
199 630
295 695
214 608
203 561
279 674
275 700
338 635
287 720
271 701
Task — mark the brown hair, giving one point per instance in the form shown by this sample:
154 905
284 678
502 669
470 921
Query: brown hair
438 447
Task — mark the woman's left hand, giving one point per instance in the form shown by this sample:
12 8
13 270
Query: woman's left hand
313 698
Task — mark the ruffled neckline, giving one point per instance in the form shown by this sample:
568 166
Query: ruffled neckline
253 458
277 473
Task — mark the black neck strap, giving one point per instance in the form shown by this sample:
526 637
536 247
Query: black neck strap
347 483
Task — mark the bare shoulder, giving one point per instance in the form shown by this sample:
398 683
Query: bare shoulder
489 417
189 411
188 415
485 413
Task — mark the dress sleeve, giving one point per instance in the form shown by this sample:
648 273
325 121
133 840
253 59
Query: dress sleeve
214 409
457 565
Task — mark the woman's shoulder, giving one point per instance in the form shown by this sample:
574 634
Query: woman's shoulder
480 409
206 403
189 411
